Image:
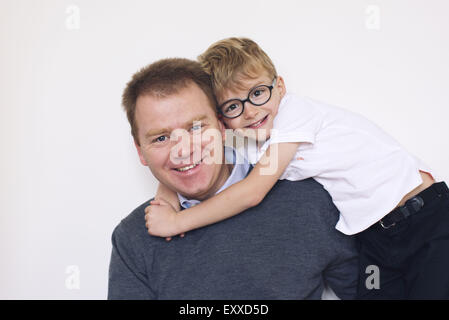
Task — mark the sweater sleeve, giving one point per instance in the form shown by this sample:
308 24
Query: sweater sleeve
341 273
339 266
127 274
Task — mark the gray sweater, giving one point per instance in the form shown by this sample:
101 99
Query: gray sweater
285 248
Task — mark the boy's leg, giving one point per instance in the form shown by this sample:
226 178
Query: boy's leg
380 276
427 276
412 255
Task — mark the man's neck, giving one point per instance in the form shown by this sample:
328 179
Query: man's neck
227 169
234 169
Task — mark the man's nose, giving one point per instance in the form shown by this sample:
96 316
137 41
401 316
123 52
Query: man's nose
181 150
250 111
188 146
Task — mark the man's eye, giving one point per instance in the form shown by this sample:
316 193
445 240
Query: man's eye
160 139
196 127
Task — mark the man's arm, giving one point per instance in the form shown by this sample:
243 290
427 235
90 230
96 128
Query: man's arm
342 274
127 280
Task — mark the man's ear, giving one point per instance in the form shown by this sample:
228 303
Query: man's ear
280 84
139 151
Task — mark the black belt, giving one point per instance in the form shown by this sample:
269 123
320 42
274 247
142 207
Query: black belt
413 205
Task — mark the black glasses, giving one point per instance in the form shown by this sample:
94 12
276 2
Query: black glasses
257 96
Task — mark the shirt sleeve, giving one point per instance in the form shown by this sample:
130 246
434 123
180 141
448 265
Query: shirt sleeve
297 120
127 277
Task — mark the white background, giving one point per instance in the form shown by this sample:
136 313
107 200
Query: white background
69 171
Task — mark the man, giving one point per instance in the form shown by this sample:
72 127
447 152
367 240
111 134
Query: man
284 248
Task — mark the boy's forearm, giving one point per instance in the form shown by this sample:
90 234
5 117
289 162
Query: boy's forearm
241 196
168 195
226 204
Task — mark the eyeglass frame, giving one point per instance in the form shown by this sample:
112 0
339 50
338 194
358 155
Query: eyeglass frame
247 100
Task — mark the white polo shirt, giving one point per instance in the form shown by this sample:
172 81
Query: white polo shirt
365 170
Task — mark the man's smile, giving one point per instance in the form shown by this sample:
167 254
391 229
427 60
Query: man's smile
188 167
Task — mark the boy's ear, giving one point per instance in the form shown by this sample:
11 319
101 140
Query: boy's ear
280 84
139 151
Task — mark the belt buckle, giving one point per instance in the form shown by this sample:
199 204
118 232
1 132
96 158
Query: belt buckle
416 203
387 227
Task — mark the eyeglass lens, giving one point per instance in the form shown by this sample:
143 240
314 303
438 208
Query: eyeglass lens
257 96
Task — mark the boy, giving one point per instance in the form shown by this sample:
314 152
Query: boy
385 196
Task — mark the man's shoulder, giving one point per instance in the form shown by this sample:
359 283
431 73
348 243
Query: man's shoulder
303 191
133 225
306 198
311 216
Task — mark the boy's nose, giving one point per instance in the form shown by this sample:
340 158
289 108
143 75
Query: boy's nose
250 111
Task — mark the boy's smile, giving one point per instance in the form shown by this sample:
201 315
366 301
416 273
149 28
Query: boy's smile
258 124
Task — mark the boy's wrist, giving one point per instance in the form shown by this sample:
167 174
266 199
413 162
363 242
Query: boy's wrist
180 223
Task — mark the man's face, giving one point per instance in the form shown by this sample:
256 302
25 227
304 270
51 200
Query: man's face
184 165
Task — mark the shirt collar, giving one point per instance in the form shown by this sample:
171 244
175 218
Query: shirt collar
238 173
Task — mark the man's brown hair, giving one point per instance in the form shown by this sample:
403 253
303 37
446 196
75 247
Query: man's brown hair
161 79
230 60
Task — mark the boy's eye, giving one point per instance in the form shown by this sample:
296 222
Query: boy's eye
258 92
196 127
231 107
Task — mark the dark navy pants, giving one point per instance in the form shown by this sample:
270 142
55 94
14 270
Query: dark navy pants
409 260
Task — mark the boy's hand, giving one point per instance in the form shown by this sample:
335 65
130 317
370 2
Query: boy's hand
161 219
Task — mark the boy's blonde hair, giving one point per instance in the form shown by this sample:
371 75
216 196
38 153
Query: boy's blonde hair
231 60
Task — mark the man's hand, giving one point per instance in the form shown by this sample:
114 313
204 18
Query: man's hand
161 219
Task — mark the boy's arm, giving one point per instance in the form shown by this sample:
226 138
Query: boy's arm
244 194
168 195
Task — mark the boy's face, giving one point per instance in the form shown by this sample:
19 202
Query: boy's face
255 121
